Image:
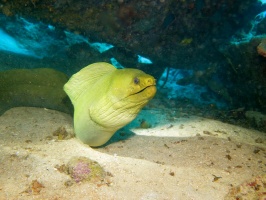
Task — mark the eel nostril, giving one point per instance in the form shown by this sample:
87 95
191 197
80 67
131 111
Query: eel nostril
151 81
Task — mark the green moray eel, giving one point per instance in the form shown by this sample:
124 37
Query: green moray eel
106 99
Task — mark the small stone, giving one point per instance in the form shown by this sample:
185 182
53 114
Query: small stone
144 124
61 133
68 183
34 188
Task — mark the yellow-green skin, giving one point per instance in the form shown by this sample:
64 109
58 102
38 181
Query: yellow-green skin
105 99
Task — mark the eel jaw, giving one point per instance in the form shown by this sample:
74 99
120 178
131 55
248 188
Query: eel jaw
143 89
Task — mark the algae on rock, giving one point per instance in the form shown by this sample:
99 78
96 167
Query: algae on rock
83 169
42 87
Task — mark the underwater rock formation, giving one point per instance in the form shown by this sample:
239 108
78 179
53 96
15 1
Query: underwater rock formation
243 75
173 34
253 188
257 118
156 28
41 87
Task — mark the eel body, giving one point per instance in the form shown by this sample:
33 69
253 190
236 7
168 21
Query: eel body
105 99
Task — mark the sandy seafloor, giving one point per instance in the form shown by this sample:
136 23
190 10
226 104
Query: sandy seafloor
179 157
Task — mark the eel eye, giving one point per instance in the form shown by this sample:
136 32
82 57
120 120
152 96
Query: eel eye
136 80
